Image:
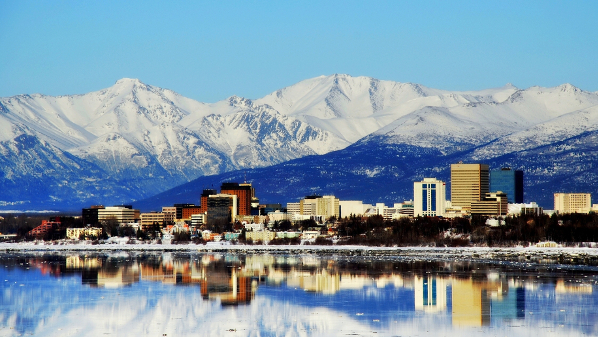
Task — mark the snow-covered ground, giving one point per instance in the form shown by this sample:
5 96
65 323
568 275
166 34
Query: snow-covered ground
120 244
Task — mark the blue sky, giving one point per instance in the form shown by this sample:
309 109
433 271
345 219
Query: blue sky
212 50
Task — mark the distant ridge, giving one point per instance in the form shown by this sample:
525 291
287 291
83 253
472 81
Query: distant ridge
133 140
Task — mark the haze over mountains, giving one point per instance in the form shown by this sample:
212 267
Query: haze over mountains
355 137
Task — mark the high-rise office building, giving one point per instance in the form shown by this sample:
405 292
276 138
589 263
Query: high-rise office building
429 197
244 193
509 182
221 207
469 183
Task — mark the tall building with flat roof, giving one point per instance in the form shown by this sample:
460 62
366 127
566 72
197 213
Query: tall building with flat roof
221 207
469 183
429 197
572 202
244 193
509 182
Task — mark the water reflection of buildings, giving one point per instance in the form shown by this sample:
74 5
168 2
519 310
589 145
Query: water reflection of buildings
471 298
475 302
563 287
430 293
229 286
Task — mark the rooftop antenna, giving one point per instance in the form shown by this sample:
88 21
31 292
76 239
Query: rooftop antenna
245 177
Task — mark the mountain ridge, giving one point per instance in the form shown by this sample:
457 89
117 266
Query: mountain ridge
143 140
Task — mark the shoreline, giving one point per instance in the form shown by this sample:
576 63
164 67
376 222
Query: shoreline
570 256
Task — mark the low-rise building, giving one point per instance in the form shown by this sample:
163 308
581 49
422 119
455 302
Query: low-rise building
254 227
310 235
87 233
40 231
493 204
263 236
523 209
122 214
288 235
149 219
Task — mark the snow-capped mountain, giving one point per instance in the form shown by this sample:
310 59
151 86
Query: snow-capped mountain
133 140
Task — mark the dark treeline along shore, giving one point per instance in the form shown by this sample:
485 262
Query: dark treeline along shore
567 229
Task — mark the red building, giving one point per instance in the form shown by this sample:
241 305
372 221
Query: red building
40 231
244 193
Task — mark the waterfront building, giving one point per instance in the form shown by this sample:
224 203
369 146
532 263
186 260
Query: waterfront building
469 183
429 196
572 202
263 235
87 232
509 182
40 231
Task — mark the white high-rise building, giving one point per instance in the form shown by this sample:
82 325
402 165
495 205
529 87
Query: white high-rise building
429 197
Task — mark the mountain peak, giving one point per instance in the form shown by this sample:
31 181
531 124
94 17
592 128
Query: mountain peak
568 87
127 80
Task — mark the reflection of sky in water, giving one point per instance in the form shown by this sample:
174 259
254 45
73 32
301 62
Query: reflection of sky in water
131 298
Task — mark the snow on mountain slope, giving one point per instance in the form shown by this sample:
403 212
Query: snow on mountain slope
553 131
353 107
437 127
257 135
157 139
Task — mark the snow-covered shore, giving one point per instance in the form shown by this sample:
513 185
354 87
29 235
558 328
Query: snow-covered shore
554 255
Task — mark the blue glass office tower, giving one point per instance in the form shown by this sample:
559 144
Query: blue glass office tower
509 182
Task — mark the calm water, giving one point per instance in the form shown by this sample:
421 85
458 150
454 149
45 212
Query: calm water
170 294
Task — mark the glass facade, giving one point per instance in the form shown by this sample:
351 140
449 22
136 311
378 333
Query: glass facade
509 182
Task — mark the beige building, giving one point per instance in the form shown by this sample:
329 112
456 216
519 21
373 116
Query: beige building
169 213
324 206
148 219
121 214
88 232
469 183
260 236
493 204
572 202
294 208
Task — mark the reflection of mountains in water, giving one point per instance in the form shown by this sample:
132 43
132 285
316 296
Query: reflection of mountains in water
464 294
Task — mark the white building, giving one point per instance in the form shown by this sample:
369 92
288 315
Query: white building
323 206
529 208
429 197
352 207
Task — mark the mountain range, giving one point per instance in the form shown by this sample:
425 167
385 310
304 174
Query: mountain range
355 137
